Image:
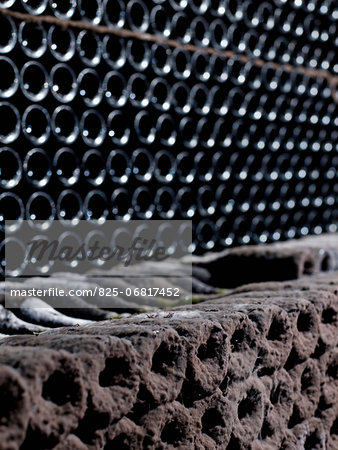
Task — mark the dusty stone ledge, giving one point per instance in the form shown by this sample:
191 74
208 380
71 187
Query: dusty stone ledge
254 369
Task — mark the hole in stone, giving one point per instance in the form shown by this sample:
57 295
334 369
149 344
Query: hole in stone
11 397
116 371
192 392
277 330
91 422
329 315
334 427
163 358
308 267
325 264
211 348
293 360
121 442
249 404
182 331
312 441
36 440
332 371
323 405
304 322
319 350
144 403
234 443
191 389
172 432
210 420
225 383
256 320
278 395
266 371
266 430
148 442
237 339
295 418
61 388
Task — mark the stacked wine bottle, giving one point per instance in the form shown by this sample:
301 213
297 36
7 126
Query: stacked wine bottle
96 126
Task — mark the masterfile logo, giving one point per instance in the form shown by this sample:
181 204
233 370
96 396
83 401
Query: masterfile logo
42 248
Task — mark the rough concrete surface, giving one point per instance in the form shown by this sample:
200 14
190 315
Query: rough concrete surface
253 369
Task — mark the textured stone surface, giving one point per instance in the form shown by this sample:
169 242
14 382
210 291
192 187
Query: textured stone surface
251 368
254 369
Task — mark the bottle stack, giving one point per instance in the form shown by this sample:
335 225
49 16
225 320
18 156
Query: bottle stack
95 126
